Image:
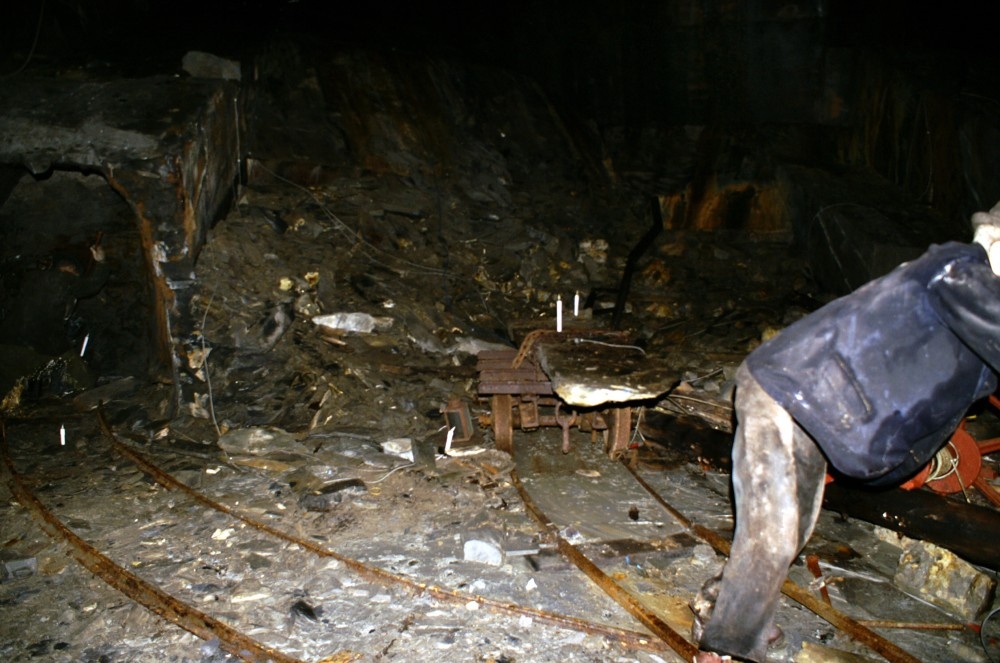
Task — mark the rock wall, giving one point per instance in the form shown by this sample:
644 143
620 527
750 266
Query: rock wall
168 146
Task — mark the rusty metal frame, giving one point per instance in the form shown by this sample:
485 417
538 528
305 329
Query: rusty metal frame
516 387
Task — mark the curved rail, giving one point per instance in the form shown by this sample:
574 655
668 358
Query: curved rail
126 582
232 640
605 582
248 649
374 573
851 627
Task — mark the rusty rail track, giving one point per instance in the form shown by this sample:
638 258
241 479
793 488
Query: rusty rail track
374 573
647 617
232 640
248 649
853 628
152 597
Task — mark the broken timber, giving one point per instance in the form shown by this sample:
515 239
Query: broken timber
919 514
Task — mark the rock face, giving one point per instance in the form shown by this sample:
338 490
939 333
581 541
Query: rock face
168 146
173 147
319 252
939 577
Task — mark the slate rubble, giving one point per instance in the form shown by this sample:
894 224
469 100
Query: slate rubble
287 421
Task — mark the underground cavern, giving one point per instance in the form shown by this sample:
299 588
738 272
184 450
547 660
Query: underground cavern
336 332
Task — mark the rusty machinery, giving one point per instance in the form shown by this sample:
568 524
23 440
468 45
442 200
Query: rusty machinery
959 465
521 395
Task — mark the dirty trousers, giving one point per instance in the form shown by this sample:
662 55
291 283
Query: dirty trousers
778 478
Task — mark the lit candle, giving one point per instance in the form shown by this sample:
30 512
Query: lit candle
62 436
559 314
576 304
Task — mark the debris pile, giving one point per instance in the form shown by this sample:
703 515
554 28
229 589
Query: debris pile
328 389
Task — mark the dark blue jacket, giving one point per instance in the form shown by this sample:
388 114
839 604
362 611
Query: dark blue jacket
881 377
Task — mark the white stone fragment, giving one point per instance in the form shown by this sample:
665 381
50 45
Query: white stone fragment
362 323
400 446
222 534
940 577
486 552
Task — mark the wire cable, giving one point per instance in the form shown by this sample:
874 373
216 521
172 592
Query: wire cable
34 44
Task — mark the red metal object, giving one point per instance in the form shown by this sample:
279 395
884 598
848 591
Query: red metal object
812 563
959 465
565 423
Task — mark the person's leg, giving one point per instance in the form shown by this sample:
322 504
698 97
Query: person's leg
778 477
810 481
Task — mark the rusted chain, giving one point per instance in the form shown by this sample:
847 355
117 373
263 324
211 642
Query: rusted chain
528 345
848 625
651 621
625 637
134 587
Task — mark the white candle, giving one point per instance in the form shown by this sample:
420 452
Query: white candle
447 442
62 436
558 314
576 304
86 339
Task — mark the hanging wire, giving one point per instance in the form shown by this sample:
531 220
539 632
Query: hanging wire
944 464
34 44
637 434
